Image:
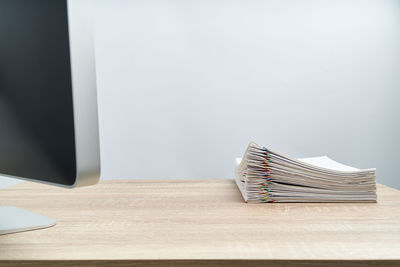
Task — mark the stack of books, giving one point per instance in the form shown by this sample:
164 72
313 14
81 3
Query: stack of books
263 175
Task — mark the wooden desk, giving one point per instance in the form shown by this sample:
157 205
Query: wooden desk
197 222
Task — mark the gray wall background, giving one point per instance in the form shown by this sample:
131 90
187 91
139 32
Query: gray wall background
185 85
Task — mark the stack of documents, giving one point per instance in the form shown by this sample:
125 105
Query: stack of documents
264 175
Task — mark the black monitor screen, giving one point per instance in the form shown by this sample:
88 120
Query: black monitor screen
36 110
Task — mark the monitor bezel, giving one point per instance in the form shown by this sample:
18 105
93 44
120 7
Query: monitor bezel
84 95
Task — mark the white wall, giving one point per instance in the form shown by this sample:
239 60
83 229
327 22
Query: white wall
185 85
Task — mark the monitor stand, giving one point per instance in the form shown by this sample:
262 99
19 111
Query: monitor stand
13 220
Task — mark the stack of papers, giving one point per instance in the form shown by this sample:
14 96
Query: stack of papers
264 175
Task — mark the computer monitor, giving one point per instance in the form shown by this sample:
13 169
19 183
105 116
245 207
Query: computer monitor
48 101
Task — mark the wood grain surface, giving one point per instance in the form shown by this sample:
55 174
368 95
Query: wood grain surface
180 222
